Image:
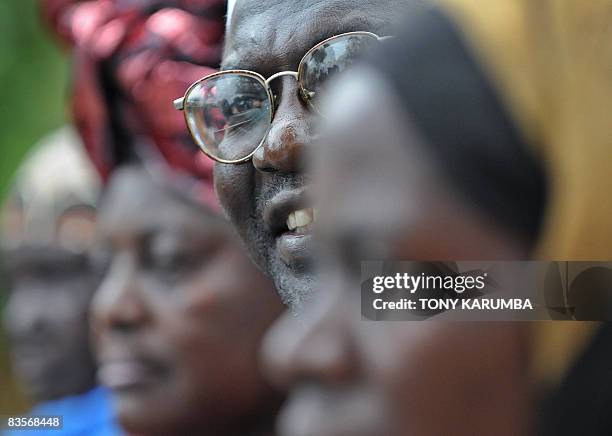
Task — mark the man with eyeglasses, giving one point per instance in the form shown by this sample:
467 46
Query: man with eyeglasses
255 119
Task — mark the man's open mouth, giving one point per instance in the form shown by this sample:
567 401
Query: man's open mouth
300 221
289 211
289 219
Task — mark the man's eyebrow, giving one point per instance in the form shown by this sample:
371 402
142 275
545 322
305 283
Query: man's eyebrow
248 63
358 24
351 23
337 27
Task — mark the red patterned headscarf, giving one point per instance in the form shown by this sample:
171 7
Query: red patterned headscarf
132 58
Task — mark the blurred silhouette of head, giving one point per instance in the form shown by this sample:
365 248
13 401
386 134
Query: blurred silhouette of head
48 227
180 314
403 173
392 378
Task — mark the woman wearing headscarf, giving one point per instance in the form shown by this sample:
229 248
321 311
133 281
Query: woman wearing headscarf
179 316
130 59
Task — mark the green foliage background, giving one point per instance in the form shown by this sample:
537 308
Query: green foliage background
33 74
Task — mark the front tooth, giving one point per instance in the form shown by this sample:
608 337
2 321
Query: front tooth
302 218
291 221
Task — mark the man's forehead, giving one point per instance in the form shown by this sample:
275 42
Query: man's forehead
275 34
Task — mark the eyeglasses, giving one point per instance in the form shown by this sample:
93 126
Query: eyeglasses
229 113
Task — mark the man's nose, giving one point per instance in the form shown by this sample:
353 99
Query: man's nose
319 348
289 133
118 304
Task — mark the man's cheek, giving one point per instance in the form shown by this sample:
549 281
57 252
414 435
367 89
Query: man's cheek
234 185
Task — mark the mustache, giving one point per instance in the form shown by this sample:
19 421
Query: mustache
269 186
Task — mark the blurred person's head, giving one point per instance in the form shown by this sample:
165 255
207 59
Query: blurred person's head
267 198
393 378
180 369
495 146
179 316
48 226
419 161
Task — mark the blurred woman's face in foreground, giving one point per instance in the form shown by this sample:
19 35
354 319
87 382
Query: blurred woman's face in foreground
380 198
179 316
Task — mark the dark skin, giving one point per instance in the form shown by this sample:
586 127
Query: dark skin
46 319
258 196
179 316
50 287
428 378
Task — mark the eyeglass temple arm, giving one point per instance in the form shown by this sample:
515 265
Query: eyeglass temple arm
179 103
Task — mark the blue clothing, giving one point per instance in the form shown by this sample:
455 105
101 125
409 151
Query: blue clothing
88 414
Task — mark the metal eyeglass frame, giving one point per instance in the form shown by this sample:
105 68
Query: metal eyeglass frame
307 96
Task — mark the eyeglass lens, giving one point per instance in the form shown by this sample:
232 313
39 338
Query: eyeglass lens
230 114
227 114
329 59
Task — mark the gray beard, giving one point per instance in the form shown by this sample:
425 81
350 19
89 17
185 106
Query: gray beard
292 286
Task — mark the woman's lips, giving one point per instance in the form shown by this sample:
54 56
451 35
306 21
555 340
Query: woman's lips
127 374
